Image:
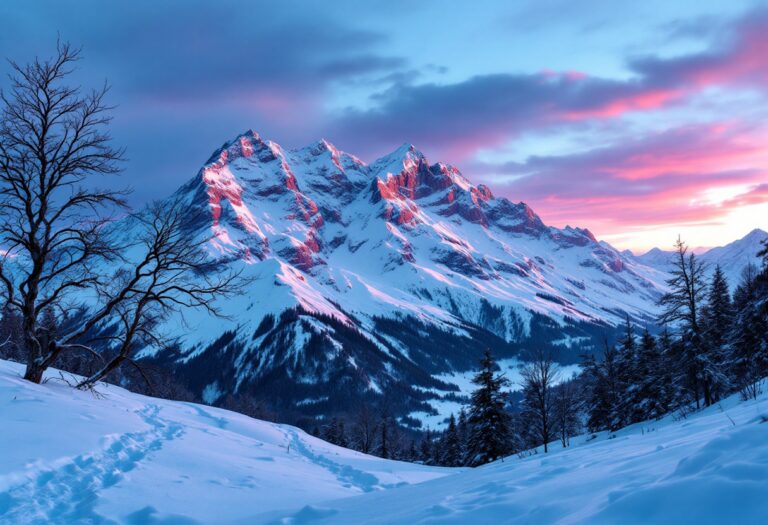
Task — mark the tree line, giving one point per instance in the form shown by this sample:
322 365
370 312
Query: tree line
712 344
709 343
488 428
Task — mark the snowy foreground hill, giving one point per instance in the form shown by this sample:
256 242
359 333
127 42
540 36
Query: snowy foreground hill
120 458
67 456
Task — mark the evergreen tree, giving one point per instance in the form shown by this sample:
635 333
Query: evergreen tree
452 451
604 408
489 433
626 409
463 429
650 402
335 433
682 305
595 398
717 318
384 446
341 435
412 453
426 448
748 334
670 386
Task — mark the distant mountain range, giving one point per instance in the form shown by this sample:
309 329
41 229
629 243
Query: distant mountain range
732 258
372 280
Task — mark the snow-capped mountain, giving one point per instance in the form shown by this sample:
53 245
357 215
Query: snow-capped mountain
381 276
384 278
732 258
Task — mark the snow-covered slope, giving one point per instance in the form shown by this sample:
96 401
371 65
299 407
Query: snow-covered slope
402 235
70 457
732 257
711 468
381 276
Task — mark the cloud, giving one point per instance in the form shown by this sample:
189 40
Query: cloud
188 75
676 176
484 111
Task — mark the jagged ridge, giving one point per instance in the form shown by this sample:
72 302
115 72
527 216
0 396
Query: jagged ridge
355 247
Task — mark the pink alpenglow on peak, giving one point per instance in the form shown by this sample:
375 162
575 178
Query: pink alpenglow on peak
401 222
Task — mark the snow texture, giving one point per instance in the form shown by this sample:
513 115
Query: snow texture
68 457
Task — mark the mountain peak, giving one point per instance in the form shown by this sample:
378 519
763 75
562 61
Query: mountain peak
405 151
251 134
326 145
757 233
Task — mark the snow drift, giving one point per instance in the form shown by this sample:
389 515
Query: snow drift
69 457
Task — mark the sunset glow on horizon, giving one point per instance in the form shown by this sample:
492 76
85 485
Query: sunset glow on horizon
638 122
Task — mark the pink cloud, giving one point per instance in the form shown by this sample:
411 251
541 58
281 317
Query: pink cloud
669 178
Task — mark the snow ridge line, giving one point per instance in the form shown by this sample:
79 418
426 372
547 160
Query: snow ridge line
69 493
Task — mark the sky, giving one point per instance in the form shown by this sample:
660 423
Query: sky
641 121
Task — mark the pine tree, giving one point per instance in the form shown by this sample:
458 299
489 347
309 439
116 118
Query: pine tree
682 305
489 433
595 397
651 396
412 453
426 448
747 338
669 377
463 429
341 435
717 319
452 451
384 446
335 433
626 408
603 400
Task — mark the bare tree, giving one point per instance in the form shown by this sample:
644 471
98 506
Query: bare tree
364 427
566 411
53 144
174 274
59 243
539 378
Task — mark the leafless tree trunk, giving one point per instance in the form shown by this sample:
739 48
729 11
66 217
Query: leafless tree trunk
539 377
58 243
52 147
364 429
173 275
566 411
